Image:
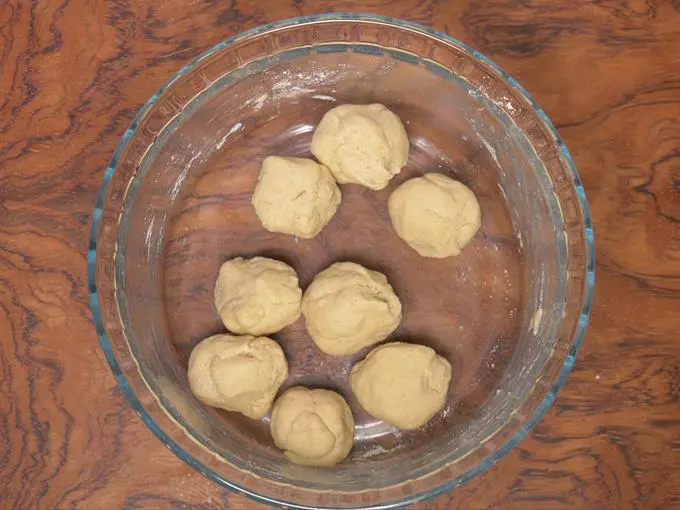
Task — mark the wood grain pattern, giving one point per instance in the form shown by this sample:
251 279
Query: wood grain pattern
72 75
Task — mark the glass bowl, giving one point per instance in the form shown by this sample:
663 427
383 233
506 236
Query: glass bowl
509 313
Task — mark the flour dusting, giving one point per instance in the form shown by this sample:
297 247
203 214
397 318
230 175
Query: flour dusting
236 127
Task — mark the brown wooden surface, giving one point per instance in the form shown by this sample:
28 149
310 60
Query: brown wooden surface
72 75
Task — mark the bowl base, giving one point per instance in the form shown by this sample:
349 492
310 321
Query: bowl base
467 307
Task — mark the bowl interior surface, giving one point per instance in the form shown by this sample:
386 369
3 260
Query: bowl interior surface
503 313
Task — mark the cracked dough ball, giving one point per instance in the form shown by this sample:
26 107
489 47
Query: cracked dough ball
348 307
402 384
435 215
237 373
295 196
313 427
361 144
257 296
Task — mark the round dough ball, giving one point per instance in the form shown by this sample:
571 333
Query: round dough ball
295 196
435 215
237 373
402 384
313 427
348 307
257 296
361 144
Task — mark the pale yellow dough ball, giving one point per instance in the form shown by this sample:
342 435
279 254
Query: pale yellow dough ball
435 215
237 373
402 384
348 307
295 196
314 427
361 144
257 296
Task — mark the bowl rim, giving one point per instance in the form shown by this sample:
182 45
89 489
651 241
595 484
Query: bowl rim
531 421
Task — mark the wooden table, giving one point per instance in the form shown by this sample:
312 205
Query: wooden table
74 72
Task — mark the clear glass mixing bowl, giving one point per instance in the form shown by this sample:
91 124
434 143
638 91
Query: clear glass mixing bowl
509 313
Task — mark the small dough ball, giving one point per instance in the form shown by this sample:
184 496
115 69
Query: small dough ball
348 307
257 296
361 144
295 196
237 373
435 215
402 384
313 427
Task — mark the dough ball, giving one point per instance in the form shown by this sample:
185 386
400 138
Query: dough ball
402 384
257 296
361 144
295 196
347 307
237 373
435 215
313 427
